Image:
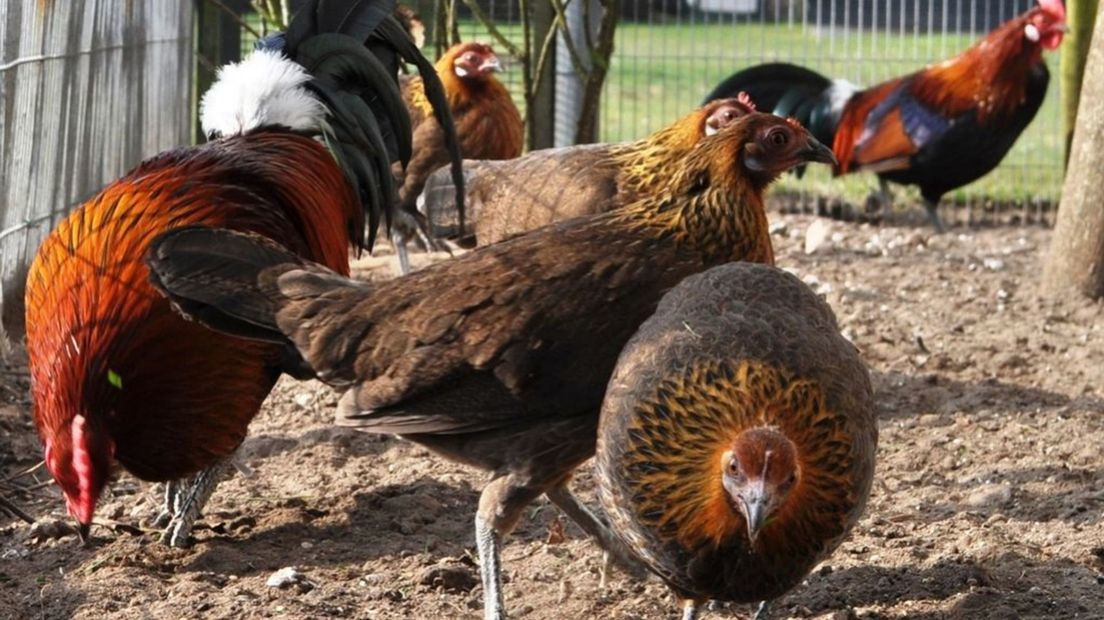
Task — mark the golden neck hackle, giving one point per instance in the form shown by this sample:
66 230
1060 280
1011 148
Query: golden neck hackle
686 427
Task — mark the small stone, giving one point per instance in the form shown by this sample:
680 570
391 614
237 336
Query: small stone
993 264
455 579
303 399
816 235
287 576
779 228
989 496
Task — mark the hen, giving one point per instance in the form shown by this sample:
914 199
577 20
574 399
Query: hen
499 358
737 438
117 376
488 126
517 195
939 128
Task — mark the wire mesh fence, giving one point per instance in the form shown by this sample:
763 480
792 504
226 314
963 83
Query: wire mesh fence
669 55
88 89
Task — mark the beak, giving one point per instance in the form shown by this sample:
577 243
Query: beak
816 151
82 532
1063 28
492 65
755 511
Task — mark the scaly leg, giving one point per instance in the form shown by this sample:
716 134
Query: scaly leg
190 500
562 497
398 241
489 544
501 504
884 195
763 613
171 505
933 215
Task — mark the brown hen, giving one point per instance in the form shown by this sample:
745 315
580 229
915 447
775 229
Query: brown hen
506 198
737 439
488 126
499 358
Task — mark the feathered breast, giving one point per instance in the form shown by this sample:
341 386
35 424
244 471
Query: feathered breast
103 343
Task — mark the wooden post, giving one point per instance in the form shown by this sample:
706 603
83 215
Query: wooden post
1075 263
541 113
1080 16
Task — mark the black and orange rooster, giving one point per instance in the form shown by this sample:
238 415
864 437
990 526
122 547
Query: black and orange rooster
512 196
939 128
500 357
117 375
488 126
737 439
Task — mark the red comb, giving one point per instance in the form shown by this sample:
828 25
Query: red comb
1056 8
745 99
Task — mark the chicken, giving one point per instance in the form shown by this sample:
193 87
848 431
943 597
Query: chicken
939 128
509 197
117 376
488 126
737 437
500 357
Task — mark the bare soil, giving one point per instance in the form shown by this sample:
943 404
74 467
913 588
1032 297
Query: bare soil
988 503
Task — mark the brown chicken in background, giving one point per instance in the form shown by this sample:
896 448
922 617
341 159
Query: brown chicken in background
505 198
499 358
488 126
117 375
737 439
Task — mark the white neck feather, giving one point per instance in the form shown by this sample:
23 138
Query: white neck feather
264 89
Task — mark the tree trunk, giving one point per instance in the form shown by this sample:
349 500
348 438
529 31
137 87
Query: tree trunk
1076 260
1075 50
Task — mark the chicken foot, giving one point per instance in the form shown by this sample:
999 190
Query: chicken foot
403 227
185 500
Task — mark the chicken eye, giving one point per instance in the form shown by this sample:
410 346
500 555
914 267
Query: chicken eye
778 138
733 468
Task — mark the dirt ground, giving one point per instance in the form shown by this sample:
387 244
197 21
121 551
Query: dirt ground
988 502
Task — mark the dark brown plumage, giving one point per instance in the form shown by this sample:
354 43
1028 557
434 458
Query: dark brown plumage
499 358
737 439
509 197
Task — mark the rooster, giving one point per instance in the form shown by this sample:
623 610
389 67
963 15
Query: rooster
737 438
939 128
117 376
488 126
517 195
499 358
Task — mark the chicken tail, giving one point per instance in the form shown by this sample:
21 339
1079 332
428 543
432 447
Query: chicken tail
224 280
792 91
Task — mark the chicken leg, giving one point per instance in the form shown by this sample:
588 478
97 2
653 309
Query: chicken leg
184 502
933 215
562 497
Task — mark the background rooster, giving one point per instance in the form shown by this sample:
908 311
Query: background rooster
516 195
939 128
488 125
737 441
117 376
499 358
